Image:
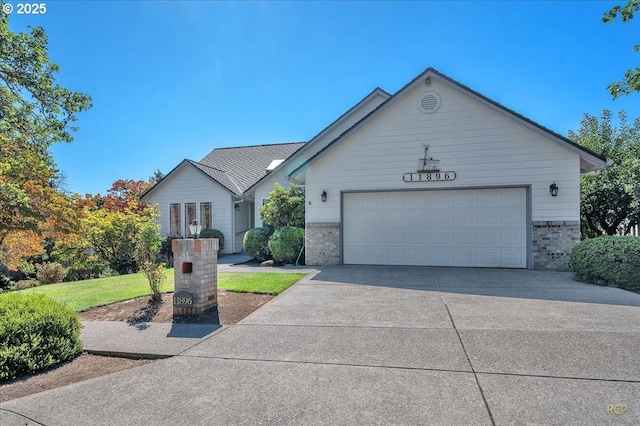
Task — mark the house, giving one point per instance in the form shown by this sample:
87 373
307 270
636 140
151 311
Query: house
436 174
211 191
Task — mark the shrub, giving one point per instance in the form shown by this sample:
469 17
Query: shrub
147 250
166 252
612 261
36 332
256 243
213 233
285 244
27 269
5 282
85 271
22 284
50 273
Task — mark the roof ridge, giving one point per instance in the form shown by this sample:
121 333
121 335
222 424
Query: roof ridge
206 165
255 146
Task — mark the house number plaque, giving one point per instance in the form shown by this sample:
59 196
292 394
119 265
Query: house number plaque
428 176
183 298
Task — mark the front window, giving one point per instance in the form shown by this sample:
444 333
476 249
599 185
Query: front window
189 216
205 215
174 221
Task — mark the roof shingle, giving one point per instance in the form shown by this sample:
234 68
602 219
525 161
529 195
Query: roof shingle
239 168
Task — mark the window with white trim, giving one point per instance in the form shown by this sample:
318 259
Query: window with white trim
175 230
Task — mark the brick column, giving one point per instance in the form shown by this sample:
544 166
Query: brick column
195 275
322 243
552 242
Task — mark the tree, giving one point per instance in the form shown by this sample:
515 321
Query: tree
284 207
112 236
156 177
631 80
35 112
148 248
124 195
610 197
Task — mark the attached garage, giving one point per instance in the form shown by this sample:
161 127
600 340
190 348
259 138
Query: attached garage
477 228
440 175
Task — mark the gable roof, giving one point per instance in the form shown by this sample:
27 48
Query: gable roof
236 169
589 160
375 92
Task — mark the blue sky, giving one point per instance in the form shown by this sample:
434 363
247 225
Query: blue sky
173 80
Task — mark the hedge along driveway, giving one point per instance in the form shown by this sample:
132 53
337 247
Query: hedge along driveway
81 295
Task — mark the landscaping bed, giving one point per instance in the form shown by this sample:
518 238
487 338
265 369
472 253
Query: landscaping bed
232 307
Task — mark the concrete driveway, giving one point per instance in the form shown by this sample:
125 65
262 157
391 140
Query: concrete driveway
388 345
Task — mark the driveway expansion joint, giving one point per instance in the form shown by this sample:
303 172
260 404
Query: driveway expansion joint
475 374
22 415
391 367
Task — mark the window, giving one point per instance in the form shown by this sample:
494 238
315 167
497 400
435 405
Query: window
189 216
174 220
206 219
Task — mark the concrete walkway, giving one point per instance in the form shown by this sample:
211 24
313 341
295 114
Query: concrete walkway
387 345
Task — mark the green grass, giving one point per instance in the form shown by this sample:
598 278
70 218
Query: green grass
81 295
256 282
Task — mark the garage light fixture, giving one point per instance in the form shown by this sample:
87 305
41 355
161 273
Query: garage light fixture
195 229
323 196
553 189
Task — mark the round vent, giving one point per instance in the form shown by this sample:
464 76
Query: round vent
429 102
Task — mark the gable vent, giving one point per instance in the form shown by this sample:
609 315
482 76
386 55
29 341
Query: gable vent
429 102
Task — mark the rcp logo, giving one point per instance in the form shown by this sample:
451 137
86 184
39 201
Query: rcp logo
618 409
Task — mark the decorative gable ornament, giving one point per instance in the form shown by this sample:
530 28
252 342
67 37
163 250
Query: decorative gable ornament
428 170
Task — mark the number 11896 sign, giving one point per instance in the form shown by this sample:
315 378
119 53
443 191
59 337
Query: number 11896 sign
428 176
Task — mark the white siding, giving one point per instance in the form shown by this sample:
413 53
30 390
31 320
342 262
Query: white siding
484 147
189 185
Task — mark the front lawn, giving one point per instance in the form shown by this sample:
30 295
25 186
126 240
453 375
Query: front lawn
81 295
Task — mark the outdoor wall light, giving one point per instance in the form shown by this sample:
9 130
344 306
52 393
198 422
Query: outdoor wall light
194 228
236 207
323 196
553 189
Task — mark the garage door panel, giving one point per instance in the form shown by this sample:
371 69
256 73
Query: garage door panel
511 258
512 237
439 228
512 216
487 258
463 257
440 217
438 237
375 218
486 216
487 237
439 257
463 237
463 217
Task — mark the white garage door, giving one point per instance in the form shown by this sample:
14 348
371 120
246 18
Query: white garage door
481 227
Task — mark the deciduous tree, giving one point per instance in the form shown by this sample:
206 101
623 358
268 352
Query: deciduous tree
610 197
631 80
35 112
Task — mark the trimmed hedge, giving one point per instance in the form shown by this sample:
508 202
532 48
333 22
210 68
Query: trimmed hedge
213 233
612 261
256 243
285 244
36 332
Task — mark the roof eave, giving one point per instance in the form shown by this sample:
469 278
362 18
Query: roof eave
594 160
